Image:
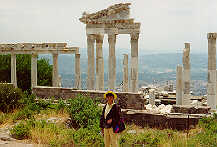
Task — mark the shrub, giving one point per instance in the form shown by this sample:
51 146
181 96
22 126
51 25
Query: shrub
83 111
88 136
43 104
20 131
208 135
149 137
26 112
27 99
60 105
9 97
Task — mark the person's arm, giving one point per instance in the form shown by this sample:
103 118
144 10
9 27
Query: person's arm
102 121
116 116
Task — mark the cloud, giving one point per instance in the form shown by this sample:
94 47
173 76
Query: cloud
165 25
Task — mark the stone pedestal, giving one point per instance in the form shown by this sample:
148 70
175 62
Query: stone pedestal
91 62
99 63
55 76
112 62
125 73
134 62
211 87
34 70
13 70
77 72
179 85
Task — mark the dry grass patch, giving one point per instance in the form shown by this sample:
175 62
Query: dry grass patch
51 134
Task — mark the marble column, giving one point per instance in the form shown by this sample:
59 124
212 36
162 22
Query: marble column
179 85
91 62
112 62
186 73
186 66
134 62
99 63
77 72
34 70
55 75
125 73
13 70
211 87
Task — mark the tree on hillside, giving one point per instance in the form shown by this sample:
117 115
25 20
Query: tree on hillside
24 71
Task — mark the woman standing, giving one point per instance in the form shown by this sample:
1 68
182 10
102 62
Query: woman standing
109 119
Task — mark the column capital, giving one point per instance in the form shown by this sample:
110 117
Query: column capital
99 38
91 37
34 54
125 61
77 55
211 36
55 54
111 38
112 35
187 45
134 36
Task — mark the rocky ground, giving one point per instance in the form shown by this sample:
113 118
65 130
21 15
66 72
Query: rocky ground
7 141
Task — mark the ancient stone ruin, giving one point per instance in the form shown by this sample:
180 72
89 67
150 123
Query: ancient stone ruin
112 21
41 48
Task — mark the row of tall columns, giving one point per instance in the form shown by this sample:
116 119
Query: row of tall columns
211 86
98 39
134 62
179 85
13 70
186 74
55 76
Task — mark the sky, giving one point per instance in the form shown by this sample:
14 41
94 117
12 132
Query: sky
165 24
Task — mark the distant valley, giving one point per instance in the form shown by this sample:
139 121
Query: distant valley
153 68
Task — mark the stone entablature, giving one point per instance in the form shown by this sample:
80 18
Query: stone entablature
113 28
38 48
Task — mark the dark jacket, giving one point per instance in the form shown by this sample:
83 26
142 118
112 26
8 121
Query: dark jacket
114 114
